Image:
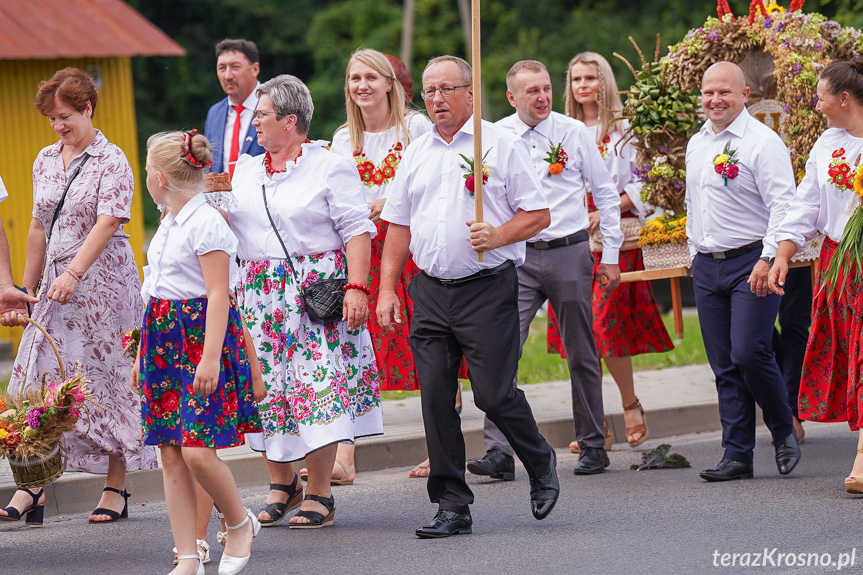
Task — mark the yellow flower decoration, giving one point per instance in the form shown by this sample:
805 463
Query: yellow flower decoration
721 159
858 182
3 434
773 8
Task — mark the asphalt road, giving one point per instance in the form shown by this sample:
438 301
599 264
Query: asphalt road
662 522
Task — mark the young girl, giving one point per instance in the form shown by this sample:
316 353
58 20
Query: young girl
196 392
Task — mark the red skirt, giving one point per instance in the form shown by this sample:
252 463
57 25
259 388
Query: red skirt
392 350
626 321
830 386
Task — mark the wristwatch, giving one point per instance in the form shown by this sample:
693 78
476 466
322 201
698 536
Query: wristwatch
768 260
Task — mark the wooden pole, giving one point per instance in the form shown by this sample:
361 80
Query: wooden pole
477 115
408 34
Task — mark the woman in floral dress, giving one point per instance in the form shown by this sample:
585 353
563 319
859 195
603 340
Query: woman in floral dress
89 288
830 388
375 136
626 321
322 380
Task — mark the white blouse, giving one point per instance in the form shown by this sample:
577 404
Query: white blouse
620 161
317 205
376 147
175 271
819 205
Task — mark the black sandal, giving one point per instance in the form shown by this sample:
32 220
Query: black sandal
278 511
114 516
316 520
35 512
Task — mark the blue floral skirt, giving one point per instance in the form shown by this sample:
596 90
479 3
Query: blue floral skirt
172 341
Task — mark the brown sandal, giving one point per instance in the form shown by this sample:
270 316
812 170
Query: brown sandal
422 471
574 447
640 428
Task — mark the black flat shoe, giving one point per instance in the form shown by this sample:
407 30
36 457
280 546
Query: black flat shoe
592 460
727 470
114 516
787 454
278 511
34 513
316 520
544 491
495 464
446 523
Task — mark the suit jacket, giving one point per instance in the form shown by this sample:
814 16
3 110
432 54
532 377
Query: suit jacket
214 129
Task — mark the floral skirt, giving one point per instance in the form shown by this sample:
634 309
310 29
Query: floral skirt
322 380
172 341
830 388
626 321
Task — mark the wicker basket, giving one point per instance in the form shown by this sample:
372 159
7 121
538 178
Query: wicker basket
47 469
811 250
631 228
39 472
666 256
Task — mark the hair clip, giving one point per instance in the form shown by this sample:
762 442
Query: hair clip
186 154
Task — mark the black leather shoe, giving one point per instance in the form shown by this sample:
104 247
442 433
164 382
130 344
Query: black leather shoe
592 460
446 523
544 491
787 454
727 470
496 464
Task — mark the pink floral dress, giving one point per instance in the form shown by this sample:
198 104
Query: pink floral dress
107 303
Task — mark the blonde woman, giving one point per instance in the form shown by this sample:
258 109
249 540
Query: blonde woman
626 321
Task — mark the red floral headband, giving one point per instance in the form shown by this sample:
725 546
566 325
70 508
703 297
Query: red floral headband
186 154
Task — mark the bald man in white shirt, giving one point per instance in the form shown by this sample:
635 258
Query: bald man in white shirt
733 215
461 305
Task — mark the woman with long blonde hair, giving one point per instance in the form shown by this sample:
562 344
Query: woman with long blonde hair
626 321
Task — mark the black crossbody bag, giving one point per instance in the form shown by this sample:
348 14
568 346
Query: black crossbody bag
324 298
57 215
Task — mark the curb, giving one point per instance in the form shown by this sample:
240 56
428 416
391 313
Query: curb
80 494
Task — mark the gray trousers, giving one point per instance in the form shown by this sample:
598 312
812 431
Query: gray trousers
564 277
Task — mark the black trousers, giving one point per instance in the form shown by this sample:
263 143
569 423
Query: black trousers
479 320
795 317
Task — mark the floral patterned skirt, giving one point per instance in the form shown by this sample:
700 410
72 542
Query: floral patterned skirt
830 388
322 380
626 321
172 341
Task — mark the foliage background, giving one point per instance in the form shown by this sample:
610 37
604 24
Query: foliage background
313 39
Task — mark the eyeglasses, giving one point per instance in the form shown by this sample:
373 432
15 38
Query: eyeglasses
446 92
260 114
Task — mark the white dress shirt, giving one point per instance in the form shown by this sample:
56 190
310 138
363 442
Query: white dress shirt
819 205
196 230
429 195
3 193
621 163
566 191
249 106
752 206
317 205
376 147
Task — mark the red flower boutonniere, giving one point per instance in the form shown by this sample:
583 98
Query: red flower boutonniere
556 156
469 177
725 163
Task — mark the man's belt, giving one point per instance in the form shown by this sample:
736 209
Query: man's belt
757 245
577 237
478 275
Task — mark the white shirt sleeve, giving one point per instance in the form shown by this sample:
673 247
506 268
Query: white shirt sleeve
605 196
3 193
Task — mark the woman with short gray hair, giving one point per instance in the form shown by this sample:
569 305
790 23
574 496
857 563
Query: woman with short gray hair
302 217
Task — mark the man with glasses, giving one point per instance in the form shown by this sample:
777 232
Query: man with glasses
229 122
462 305
558 264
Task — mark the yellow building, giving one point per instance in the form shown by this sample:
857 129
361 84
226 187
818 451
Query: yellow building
36 40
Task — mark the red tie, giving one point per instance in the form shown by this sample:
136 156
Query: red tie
235 142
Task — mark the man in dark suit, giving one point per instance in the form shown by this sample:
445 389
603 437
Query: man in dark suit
229 122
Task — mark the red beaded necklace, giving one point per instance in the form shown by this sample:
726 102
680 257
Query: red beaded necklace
268 161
